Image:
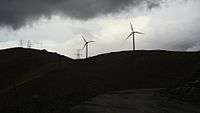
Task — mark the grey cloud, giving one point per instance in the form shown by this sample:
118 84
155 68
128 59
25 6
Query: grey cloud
16 13
152 4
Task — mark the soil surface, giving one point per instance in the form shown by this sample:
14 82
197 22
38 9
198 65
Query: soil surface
134 101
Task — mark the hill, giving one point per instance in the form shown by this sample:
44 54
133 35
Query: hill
49 82
18 64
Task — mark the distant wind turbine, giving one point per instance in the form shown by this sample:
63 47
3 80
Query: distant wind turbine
86 45
21 43
78 54
29 44
133 34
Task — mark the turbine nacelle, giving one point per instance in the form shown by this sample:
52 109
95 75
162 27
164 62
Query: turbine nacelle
133 33
86 42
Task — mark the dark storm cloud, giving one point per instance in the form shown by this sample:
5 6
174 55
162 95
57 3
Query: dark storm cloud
16 13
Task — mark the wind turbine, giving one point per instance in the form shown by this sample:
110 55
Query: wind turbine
133 34
29 44
86 45
21 43
78 54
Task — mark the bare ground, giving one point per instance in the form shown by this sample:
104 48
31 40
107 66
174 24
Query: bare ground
134 101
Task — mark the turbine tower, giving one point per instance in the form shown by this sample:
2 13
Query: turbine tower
86 46
133 34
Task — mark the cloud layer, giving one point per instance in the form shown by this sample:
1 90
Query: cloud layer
16 13
173 26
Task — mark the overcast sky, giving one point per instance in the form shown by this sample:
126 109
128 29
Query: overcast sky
58 24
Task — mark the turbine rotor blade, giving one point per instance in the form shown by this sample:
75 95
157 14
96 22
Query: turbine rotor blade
83 38
131 27
129 36
138 32
91 41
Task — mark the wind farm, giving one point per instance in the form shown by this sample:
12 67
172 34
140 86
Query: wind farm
149 75
99 56
146 74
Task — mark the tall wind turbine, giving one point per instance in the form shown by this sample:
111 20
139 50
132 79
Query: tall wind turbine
133 34
86 45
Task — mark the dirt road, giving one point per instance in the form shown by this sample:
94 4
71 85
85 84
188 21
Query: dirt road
134 101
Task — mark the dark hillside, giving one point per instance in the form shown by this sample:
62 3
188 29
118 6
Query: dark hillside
59 82
19 64
148 68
